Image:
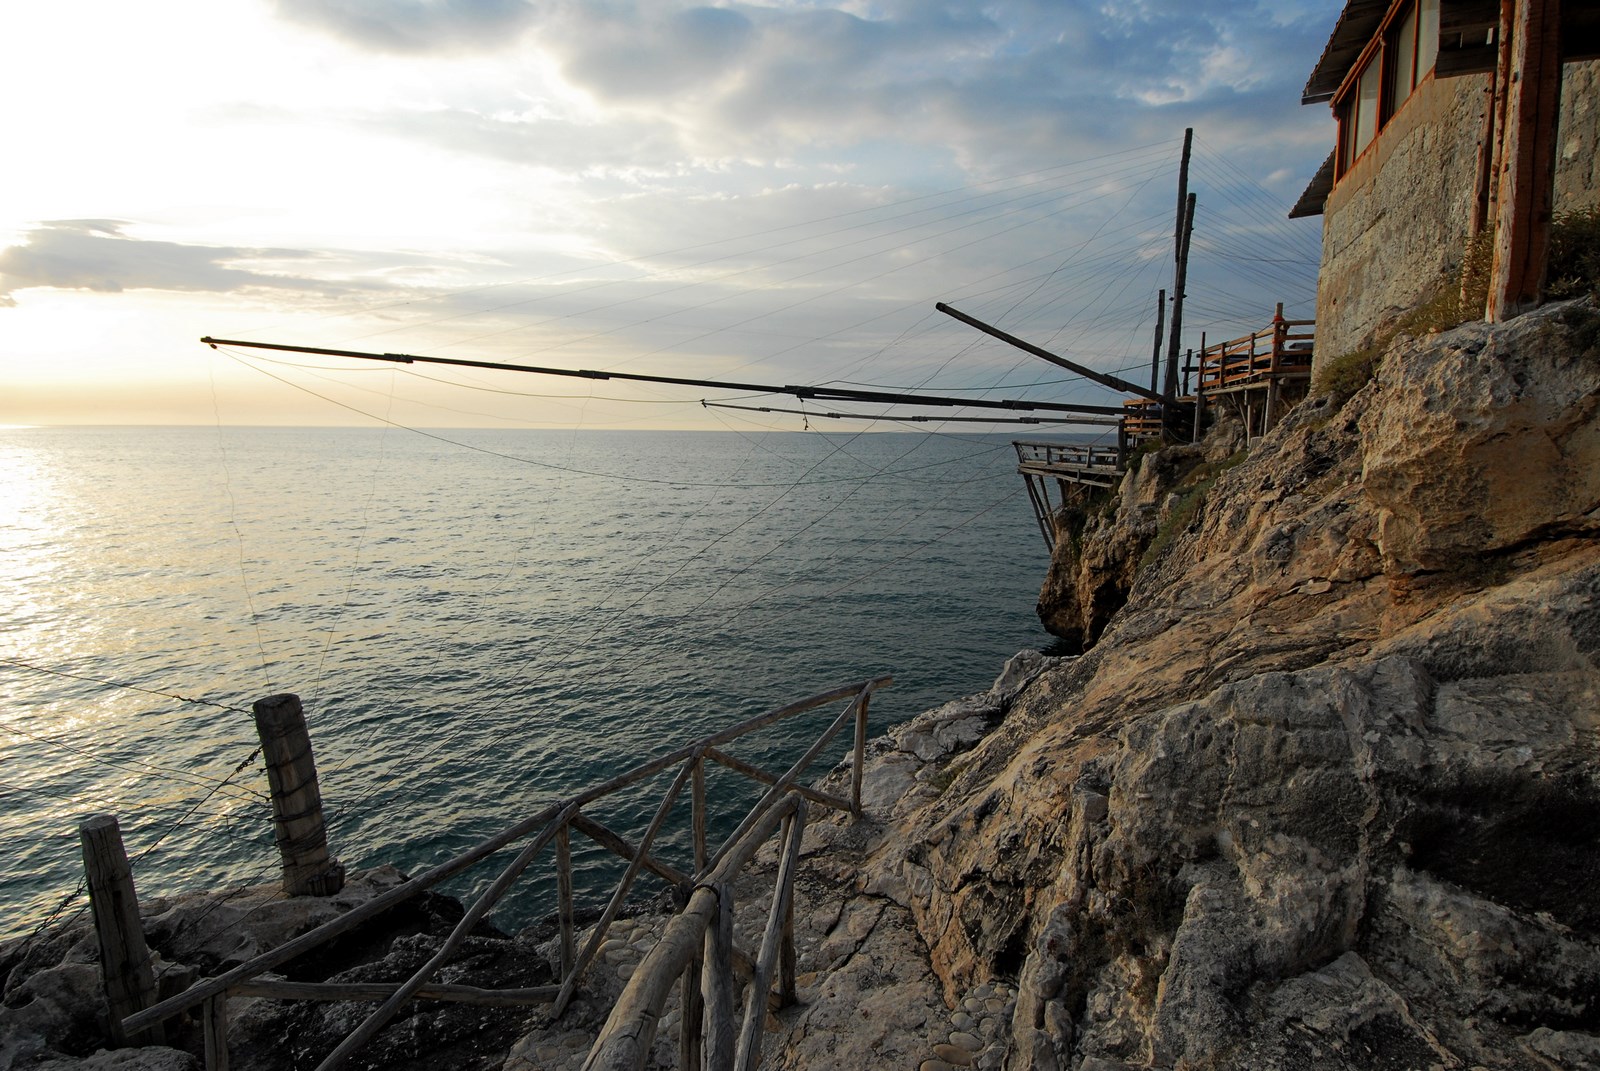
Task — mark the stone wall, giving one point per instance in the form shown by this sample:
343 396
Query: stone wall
1399 221
1578 168
1400 218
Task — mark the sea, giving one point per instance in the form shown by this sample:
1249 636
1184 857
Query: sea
478 622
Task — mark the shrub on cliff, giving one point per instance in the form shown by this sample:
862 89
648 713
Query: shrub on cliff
1574 265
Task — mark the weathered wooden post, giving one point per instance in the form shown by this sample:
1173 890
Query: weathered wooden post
214 1025
564 905
859 754
124 957
720 1036
691 1026
308 869
698 802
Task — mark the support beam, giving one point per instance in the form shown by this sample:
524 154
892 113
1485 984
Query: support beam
1105 379
1527 170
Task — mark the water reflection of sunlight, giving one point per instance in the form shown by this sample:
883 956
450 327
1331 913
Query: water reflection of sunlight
29 506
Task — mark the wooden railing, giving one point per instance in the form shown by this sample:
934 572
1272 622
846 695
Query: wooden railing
1281 348
704 884
698 948
1141 421
1068 455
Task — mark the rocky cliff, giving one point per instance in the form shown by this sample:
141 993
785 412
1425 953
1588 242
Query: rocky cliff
1326 793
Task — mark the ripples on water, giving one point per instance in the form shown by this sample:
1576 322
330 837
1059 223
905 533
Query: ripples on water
474 631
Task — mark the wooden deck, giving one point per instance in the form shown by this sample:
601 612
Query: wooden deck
1064 465
1258 376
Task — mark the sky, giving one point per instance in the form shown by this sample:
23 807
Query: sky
770 193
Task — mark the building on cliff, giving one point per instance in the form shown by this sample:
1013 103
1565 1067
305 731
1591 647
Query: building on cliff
1457 119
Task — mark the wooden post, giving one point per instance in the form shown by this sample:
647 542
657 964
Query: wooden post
1178 286
1280 332
860 755
719 983
1527 176
691 1025
308 869
214 1024
1155 351
788 992
130 984
1180 262
569 953
755 1010
698 789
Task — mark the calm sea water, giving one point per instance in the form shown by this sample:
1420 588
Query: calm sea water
477 621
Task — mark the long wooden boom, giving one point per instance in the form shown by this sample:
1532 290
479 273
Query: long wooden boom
1105 379
832 394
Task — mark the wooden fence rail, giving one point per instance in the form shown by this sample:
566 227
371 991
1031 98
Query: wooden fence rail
783 803
697 947
1282 347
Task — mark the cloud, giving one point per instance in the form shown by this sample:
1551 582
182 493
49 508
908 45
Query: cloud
96 255
414 26
676 88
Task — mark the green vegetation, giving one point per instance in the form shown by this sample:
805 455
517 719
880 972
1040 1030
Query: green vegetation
1193 490
1455 298
1137 455
1574 264
1347 373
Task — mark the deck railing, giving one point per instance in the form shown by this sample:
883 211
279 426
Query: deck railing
1283 347
704 884
1069 455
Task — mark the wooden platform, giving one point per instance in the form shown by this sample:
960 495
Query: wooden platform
1259 375
1042 464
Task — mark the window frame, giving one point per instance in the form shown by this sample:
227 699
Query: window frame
1381 58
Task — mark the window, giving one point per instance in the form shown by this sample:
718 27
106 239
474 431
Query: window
1404 53
1388 72
1366 106
1427 37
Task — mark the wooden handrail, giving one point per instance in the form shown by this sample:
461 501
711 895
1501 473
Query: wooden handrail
625 1040
1264 353
550 824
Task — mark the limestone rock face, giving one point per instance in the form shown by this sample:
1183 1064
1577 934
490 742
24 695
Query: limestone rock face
1485 441
1101 541
1326 793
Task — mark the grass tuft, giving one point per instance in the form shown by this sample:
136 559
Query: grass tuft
1574 264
